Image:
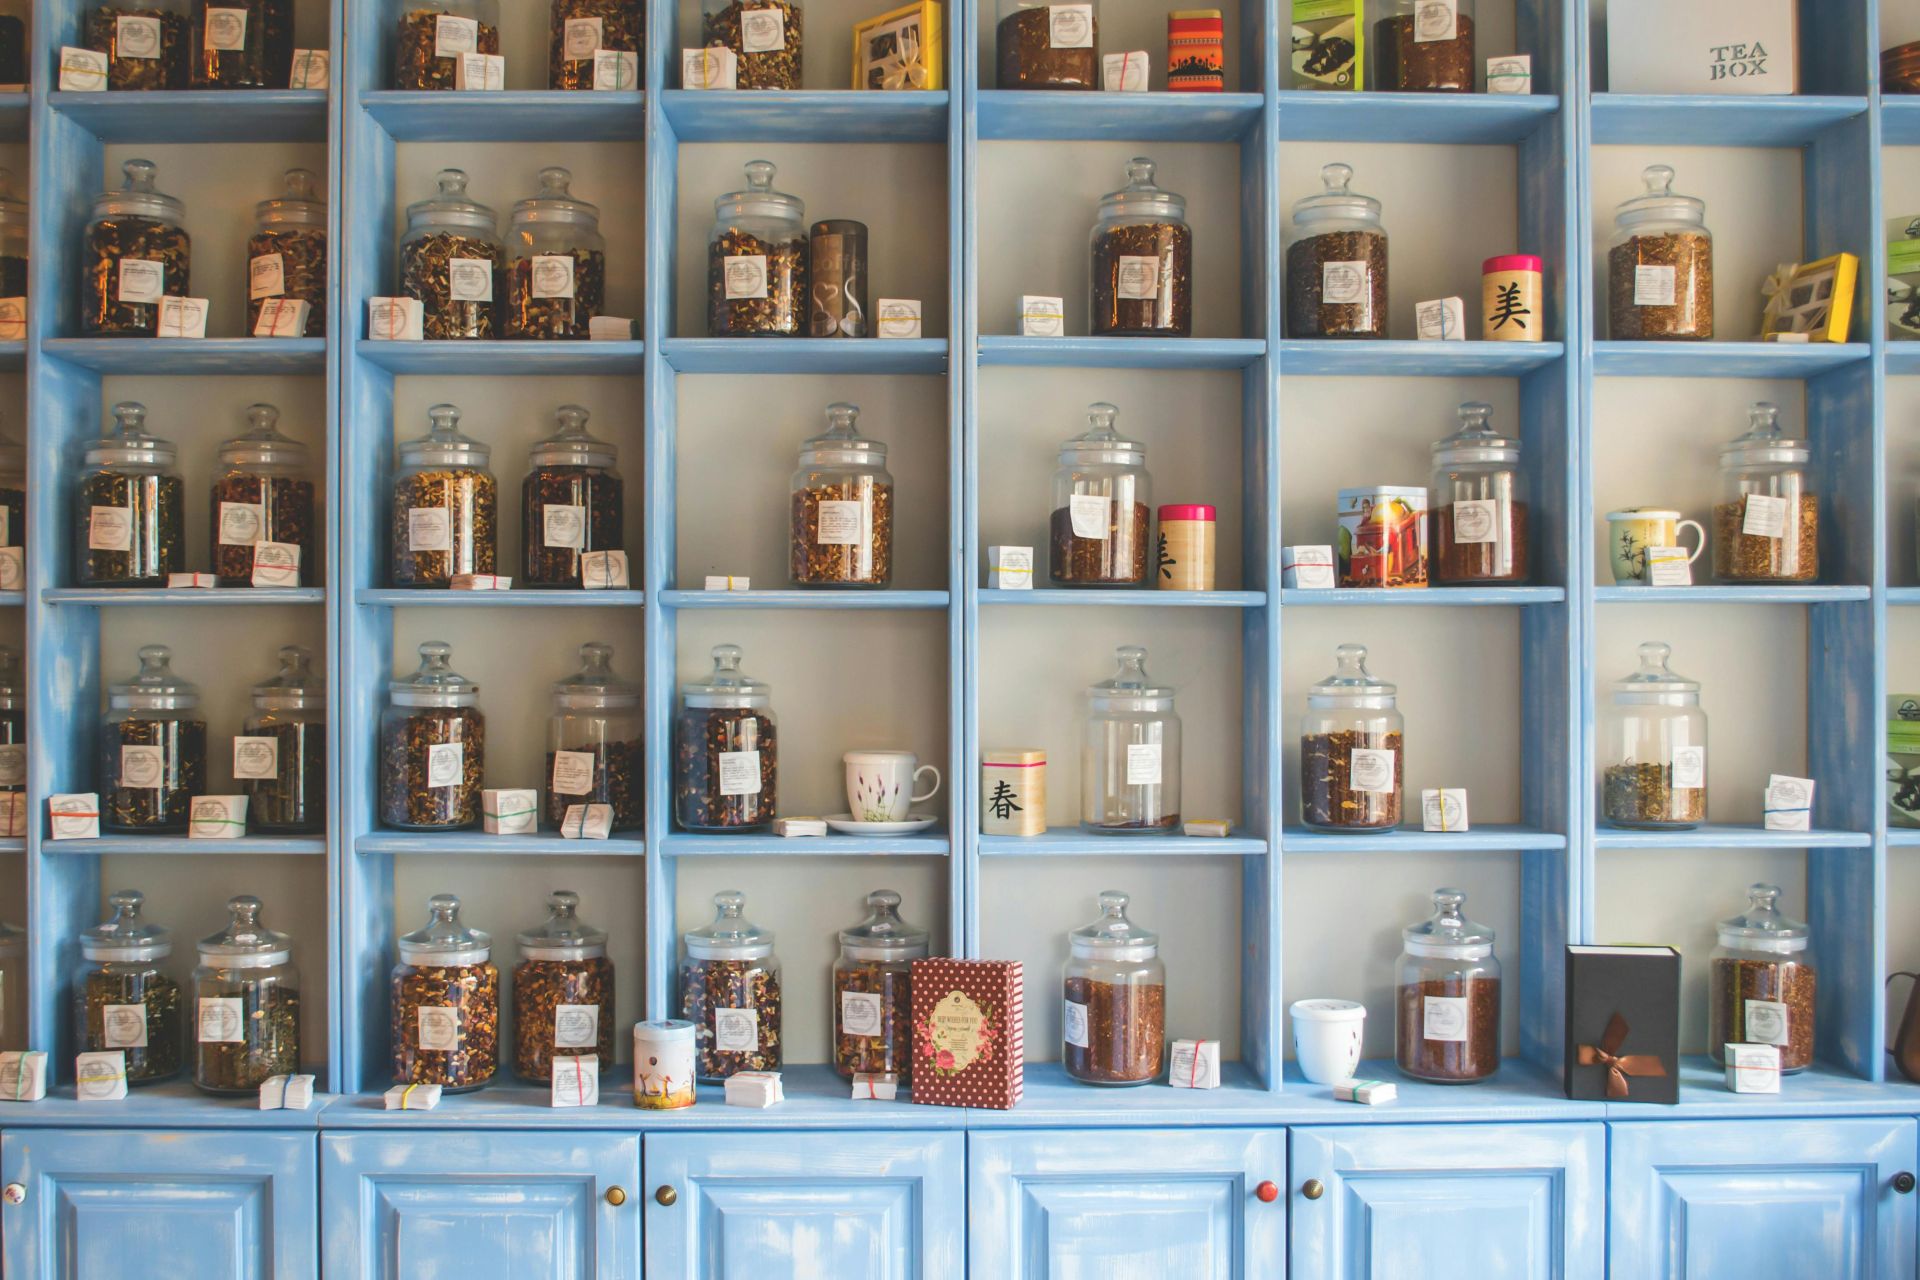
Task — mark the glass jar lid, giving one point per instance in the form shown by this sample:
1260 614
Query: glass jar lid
245 943
883 935
594 685
1476 442
263 445
9 677
13 210
1336 200
127 936
759 200
1659 202
726 685
1351 684
731 936
1448 934
1761 927
842 444
572 445
451 207
127 442
1140 198
300 206
443 939
156 686
137 196
445 445
1129 688
436 683
563 935
1763 445
1655 681
295 687
1100 444
1113 936
554 202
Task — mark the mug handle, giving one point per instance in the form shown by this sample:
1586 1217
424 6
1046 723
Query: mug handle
1700 532
1888 985
927 768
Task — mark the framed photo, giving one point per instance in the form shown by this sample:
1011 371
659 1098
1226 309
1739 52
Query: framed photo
900 49
1815 304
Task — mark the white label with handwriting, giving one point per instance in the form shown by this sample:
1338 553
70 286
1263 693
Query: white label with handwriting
582 38
222 1020
1137 277
1444 1018
1765 517
564 526
439 1027
429 529
745 275
552 275
572 773
1435 20
136 37
446 764
124 1026
142 280
1073 1024
1070 26
1476 520
454 36
1088 513
110 529
763 30
739 773
1652 286
1370 769
142 767
267 276
1143 764
241 523
1344 283
736 1030
256 757
1766 1022
860 1013
1689 768
469 280
576 1026
226 29
839 523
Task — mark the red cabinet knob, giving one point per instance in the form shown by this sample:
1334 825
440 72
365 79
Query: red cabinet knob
1267 1192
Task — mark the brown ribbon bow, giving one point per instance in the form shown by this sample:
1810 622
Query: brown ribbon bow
1619 1066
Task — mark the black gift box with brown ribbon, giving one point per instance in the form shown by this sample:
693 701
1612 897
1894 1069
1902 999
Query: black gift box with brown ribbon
1623 1024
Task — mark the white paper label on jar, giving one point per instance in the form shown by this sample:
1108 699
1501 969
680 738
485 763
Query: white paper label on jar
142 766
267 276
446 763
454 36
136 37
1345 283
429 529
1444 1018
1143 764
123 1026
1689 768
552 275
746 275
222 1020
13 764
564 526
110 529
226 29
860 1013
576 1026
1370 769
1765 517
736 1030
763 30
582 38
1766 1022
1652 286
469 280
1087 512
1137 277
142 280
256 757
839 524
1435 20
572 773
439 1027
1073 1024
241 523
1070 26
739 773
1476 520
6 526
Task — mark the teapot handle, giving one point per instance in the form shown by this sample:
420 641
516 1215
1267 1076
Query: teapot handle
1898 973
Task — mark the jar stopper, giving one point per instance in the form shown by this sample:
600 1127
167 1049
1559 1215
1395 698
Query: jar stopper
445 419
572 419
1336 176
140 175
300 184
554 181
452 182
130 416
1658 178
1139 172
760 175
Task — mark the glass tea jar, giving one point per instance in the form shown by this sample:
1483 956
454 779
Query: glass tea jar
764 34
842 498
263 498
1477 500
1352 749
1047 46
446 1003
145 42
280 757
1102 499
1424 47
1130 758
594 741
1337 263
757 260
13 987
433 35
153 748
13 510
432 747
1761 982
1766 527
1653 747
1448 995
562 992
13 231
13 723
129 525
136 253
240 44
1114 1020
246 1001
572 502
123 1000
445 506
287 252
13 41
1142 260
873 991
581 28
451 259
1660 264
726 761
556 262
730 992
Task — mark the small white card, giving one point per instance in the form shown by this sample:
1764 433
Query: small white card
1010 568
1307 568
1207 828
23 1075
609 329
74 815
509 812
797 827
1441 320
1668 567
897 318
1443 809
413 1097
276 564
273 1093
875 1086
587 822
310 69
716 68
396 319
1124 72
754 1089
100 1077
1194 1064
479 582
82 69
1752 1068
217 817
183 317
1789 804
1510 74
194 581
13 318
728 583
576 1078
483 71
1042 317
615 70
603 570
280 318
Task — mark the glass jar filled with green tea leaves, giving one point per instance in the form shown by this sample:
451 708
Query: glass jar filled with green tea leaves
123 1001
246 1001
153 748
280 757
129 520
1653 747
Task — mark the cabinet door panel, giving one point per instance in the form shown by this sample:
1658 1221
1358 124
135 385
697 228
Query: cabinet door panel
1762 1200
1135 1204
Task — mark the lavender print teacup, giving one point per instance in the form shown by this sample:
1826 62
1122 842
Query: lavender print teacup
880 784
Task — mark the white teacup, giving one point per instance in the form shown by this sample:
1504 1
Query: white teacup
880 784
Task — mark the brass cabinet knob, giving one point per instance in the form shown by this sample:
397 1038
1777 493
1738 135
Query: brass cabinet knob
1313 1189
1902 1182
15 1193
665 1195
616 1196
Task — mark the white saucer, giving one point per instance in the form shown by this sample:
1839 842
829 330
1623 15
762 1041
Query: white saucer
846 824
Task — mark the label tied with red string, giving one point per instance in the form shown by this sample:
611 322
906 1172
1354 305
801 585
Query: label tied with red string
576 1080
1195 1064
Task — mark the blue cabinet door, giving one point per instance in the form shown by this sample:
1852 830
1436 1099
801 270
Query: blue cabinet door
215 1206
794 1206
1763 1200
1449 1202
439 1205
1128 1204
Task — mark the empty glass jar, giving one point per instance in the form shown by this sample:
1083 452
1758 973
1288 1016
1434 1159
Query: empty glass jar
725 753
1477 501
1660 264
1337 263
757 259
445 507
730 992
263 526
562 992
280 757
136 253
1114 1018
123 1000
1142 260
1102 498
571 503
1761 983
1352 749
556 262
246 999
1653 747
433 35
130 530
1130 759
451 259
873 991
432 747
842 519
1766 527
1448 1028
446 1003
153 748
287 253
594 741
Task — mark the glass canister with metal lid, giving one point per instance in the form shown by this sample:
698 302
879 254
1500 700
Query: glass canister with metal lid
280 757
757 260
873 991
1142 260
594 741
562 992
153 748
446 1003
451 259
556 262
130 530
287 253
246 999
263 526
1114 1018
135 253
1102 510
1130 759
123 1000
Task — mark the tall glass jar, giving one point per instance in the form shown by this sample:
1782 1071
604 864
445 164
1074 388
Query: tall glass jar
873 991
446 1003
451 259
842 520
1477 500
1142 260
13 510
432 747
1423 47
757 260
280 758
1114 1019
123 1000
1102 500
145 42
13 723
240 44
1130 758
287 252
556 262
726 762
562 992
1653 747
581 28
1761 983
571 502
13 42
594 741
130 530
246 1000
433 35
1448 1028
1048 46
1766 527
13 987
1352 749
764 34
1337 263
445 510
136 253
1660 264
153 748
263 497
13 233
730 992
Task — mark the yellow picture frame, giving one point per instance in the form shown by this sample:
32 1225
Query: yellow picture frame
870 61
1815 304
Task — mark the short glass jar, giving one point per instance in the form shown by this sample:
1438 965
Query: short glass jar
13 231
572 502
1142 282
1477 500
841 533
562 992
240 44
1352 749
145 42
451 259
123 1001
764 34
757 260
1660 264
136 253
445 507
1130 758
1448 1028
432 747
246 1000
726 762
13 987
730 992
1766 527
280 758
594 741
1653 748
1761 983
1337 263
153 748
13 723
446 1003
581 28
433 35
287 252
1425 48
262 510
13 41
130 527
1114 1019
873 991
1102 507
1048 46
556 262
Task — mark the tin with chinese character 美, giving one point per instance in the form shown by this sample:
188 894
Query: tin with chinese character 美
1510 298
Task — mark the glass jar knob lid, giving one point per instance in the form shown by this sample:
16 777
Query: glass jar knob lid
1350 676
1761 926
555 202
1129 687
263 444
300 202
731 936
563 935
1659 200
245 941
1448 933
128 443
1654 675
127 935
1141 197
842 441
295 685
595 684
726 685
883 935
443 939
156 686
137 195
1476 440
1336 198
1762 443
759 200
1100 442
436 683
1112 935
571 444
445 445
451 206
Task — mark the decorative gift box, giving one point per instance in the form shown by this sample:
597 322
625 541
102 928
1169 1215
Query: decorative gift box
1702 46
900 49
968 1033
1623 1024
1383 536
1196 51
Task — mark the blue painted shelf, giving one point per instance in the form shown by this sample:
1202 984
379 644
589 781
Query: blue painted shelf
1904 838
450 843
203 357
198 115
515 598
1487 836
177 845
13 355
1724 359
1718 120
823 599
1900 122
14 113
520 115
760 844
824 115
1429 597
12 599
1332 357
1812 593
1903 595
806 355
1730 836
187 597
1126 598
497 358
1027 115
13 844
1121 353
1903 358
1071 842
1463 118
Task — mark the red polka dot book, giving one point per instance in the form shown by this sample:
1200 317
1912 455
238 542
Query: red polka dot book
969 1044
